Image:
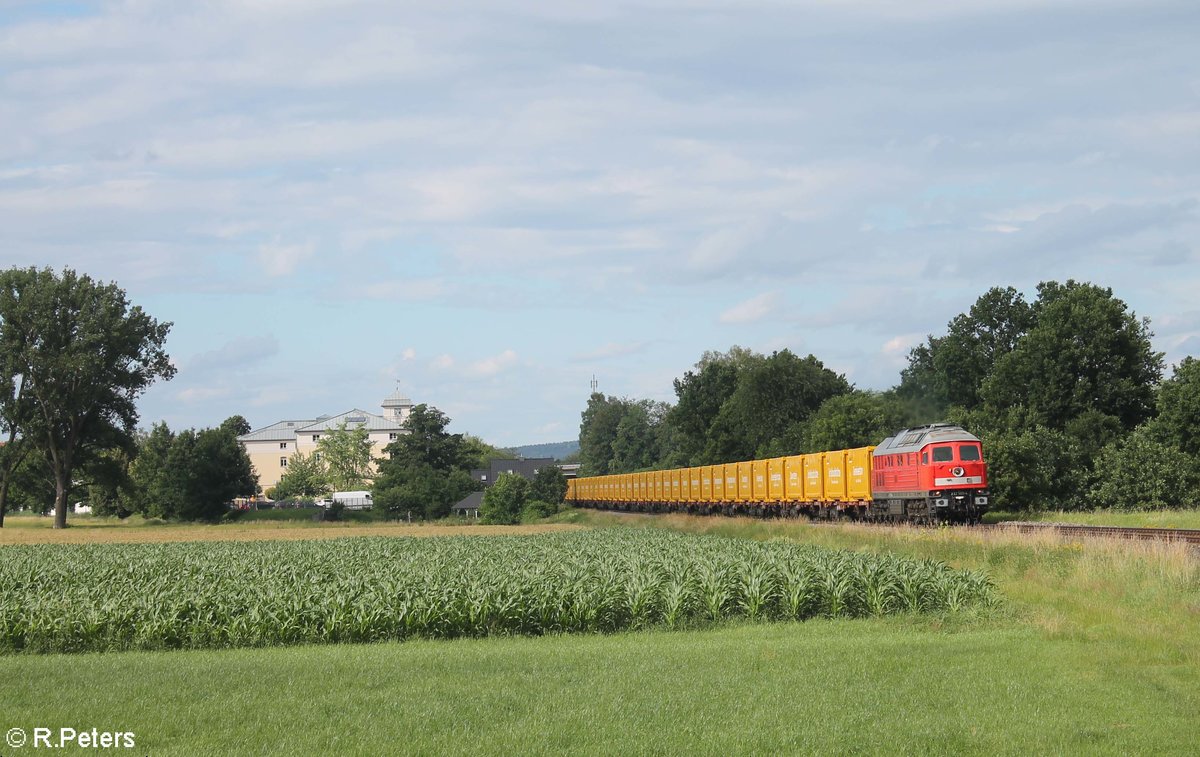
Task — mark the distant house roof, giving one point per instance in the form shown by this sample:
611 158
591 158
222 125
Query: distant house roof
471 502
523 468
283 431
353 419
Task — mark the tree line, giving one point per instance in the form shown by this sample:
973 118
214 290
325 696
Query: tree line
1066 392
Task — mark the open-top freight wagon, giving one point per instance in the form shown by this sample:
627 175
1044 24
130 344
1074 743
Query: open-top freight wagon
926 474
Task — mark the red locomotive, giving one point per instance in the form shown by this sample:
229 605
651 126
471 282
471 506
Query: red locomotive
929 473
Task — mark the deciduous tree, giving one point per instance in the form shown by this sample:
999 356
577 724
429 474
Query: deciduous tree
549 485
89 354
504 500
346 454
306 476
1086 351
1179 407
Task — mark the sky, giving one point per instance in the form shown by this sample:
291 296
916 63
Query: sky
487 203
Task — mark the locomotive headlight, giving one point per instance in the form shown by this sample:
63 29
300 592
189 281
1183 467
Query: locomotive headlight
957 472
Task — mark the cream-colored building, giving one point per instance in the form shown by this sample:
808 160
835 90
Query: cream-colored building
270 447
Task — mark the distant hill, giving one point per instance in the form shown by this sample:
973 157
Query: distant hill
556 450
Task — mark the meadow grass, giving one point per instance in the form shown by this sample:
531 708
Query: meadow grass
1141 518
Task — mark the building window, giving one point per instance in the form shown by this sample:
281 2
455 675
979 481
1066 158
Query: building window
283 445
316 437
317 456
483 477
393 437
283 462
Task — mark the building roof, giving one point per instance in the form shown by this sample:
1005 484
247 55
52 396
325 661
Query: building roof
283 431
524 468
353 419
471 502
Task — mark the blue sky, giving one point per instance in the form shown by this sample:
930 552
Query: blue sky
491 202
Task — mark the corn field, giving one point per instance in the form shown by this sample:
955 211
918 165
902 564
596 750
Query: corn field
74 598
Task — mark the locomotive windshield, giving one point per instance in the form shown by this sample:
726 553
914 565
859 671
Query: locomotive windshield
968 452
943 454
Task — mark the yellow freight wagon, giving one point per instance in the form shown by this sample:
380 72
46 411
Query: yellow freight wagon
814 477
835 476
694 489
731 482
793 478
858 474
745 475
775 492
685 485
706 480
676 477
656 482
718 483
758 487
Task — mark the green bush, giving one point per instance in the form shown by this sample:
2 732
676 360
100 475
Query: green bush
1142 473
504 501
536 510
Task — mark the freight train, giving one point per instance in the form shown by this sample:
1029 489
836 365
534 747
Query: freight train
926 474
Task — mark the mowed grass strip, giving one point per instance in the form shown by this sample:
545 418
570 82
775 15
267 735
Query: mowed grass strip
873 686
77 598
26 529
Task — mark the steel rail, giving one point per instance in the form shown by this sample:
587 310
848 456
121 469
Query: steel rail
1186 535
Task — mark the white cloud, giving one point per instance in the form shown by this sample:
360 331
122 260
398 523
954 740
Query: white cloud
610 350
753 309
233 356
442 363
494 365
278 259
408 289
408 354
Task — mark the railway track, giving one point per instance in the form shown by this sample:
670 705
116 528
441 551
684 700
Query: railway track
1186 535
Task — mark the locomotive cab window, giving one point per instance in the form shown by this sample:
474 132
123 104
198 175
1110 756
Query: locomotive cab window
968 452
924 458
943 454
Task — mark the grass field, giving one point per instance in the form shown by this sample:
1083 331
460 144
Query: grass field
1143 519
1097 652
823 687
32 529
